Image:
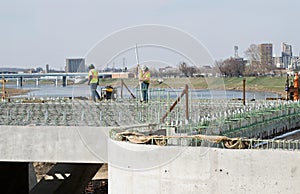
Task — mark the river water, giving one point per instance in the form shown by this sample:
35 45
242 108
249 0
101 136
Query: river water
84 91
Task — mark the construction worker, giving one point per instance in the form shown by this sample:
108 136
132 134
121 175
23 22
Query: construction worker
145 79
93 82
296 86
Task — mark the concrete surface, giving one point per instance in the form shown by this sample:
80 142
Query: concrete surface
211 170
59 144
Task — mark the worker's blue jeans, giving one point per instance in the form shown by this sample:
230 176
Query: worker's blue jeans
145 87
94 93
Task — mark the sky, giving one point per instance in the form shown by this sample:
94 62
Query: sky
38 32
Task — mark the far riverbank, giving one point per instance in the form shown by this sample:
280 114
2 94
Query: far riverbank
258 84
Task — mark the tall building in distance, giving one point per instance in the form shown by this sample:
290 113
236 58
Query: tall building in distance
47 68
75 65
266 54
236 52
286 55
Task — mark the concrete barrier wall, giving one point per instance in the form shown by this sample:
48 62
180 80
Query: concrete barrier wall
53 144
210 170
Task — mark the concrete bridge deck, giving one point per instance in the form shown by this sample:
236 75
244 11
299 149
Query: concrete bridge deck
77 132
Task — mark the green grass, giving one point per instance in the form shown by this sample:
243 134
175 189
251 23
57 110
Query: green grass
271 84
274 84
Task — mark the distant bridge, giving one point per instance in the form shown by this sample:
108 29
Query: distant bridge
37 75
20 76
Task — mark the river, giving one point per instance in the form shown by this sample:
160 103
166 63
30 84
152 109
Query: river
84 91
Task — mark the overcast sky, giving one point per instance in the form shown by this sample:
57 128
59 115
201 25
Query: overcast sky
38 32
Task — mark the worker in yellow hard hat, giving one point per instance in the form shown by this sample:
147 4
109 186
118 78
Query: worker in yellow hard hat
93 82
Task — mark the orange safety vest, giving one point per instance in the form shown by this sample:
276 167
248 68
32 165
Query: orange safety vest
296 81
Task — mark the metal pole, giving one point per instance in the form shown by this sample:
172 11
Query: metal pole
169 105
122 88
186 102
123 83
174 104
287 87
21 81
3 87
244 91
138 71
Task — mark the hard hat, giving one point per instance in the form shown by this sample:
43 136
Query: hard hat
144 67
91 66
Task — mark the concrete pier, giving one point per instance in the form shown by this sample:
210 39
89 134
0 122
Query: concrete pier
64 81
37 81
20 81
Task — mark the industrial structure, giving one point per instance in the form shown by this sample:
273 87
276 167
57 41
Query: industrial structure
75 65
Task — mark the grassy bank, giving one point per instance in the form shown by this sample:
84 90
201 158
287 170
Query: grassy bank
270 84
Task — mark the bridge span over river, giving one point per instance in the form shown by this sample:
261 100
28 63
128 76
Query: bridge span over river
20 77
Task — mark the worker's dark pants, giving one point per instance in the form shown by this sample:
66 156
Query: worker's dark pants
94 93
145 87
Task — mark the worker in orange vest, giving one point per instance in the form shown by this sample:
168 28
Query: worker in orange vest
296 86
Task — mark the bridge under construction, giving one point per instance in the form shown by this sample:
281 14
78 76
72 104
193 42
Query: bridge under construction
77 134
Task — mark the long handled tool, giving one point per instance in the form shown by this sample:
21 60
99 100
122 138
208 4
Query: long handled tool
138 71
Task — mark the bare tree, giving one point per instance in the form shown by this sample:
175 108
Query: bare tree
252 69
219 65
231 67
252 53
192 70
255 67
187 70
258 65
183 67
